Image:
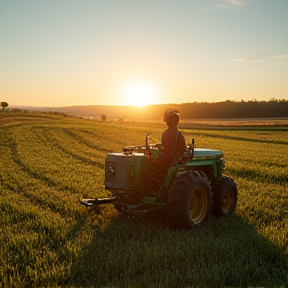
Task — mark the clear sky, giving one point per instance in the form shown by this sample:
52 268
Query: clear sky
136 52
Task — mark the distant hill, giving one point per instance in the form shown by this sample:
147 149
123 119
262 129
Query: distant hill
226 109
153 112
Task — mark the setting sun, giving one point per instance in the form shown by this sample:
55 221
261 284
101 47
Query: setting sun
139 95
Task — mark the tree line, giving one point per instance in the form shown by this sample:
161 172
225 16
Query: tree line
233 109
227 109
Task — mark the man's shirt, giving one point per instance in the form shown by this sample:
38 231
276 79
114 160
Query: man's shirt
174 143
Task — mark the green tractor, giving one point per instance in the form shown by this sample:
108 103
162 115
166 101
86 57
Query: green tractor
194 188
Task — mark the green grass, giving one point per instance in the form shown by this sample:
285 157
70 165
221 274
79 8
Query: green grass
48 240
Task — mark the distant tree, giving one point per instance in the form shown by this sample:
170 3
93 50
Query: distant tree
103 117
4 105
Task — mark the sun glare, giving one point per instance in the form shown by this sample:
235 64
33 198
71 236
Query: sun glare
140 96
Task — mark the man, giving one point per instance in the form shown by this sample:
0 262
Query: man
173 144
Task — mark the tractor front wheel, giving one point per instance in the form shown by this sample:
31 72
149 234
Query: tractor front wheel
224 197
190 200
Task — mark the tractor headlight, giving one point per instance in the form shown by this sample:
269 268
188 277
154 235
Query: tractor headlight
223 165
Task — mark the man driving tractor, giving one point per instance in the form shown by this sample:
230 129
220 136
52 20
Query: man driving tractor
173 144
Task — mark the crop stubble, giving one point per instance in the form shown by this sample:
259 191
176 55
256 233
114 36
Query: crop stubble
47 238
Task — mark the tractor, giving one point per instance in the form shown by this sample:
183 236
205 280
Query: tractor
194 188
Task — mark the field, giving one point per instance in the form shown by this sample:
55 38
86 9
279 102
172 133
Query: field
47 239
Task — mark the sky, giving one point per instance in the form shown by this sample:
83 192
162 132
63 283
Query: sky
139 52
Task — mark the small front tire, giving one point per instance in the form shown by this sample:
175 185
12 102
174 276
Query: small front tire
224 197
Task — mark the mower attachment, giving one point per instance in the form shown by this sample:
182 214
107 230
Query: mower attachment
96 201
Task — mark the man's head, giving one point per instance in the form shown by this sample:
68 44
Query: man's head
171 117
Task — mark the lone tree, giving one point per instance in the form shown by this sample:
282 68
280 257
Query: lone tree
4 105
103 117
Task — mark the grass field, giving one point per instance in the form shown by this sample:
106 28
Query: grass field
48 240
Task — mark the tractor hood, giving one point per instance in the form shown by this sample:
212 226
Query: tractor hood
201 153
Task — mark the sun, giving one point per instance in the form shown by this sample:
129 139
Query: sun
140 95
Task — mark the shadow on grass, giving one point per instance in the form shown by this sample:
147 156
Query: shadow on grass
145 252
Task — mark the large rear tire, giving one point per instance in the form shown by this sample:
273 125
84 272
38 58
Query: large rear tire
224 197
190 200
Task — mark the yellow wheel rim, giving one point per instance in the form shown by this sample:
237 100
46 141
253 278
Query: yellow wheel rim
228 200
198 205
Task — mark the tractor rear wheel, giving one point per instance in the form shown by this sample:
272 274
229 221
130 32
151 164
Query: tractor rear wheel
189 201
224 197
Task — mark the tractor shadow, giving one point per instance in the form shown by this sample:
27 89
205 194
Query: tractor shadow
145 252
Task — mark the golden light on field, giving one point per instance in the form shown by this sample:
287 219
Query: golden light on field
139 95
